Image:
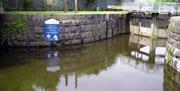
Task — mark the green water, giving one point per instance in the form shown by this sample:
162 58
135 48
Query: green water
124 63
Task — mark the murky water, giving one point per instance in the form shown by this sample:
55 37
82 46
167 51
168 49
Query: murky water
124 63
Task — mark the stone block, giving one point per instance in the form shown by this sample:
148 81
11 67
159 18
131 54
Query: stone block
85 35
87 40
68 23
72 42
69 36
38 30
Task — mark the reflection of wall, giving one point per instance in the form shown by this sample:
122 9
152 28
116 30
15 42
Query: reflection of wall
147 41
148 26
74 61
147 50
171 79
139 65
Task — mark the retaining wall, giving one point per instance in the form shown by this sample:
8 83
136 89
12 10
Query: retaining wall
173 43
76 29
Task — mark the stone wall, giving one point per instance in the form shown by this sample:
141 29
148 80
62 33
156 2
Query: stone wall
173 43
76 29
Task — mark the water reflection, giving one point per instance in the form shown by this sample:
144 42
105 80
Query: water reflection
110 65
171 79
52 60
150 53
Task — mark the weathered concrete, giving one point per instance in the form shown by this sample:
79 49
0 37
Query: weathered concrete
76 29
146 25
173 43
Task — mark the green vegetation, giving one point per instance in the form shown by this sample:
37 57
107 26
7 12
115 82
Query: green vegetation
12 28
153 37
17 24
27 4
168 56
69 12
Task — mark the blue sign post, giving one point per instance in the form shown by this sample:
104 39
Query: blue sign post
52 30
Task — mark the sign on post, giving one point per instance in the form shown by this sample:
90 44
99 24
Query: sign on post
52 30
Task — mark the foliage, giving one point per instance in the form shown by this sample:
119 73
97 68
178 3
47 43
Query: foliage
88 2
12 28
27 4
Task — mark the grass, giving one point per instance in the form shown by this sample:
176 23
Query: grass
68 12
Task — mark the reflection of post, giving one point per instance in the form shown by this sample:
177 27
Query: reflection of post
66 80
76 80
52 60
152 51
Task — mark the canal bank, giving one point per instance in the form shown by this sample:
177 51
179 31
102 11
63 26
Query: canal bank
75 29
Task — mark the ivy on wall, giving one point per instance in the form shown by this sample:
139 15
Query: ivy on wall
13 27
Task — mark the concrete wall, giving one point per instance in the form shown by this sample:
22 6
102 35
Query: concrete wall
173 43
146 26
76 29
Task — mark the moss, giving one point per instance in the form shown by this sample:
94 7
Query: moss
168 56
153 37
69 12
163 27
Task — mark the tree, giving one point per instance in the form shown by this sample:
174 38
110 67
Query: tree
1 7
65 5
75 6
3 3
